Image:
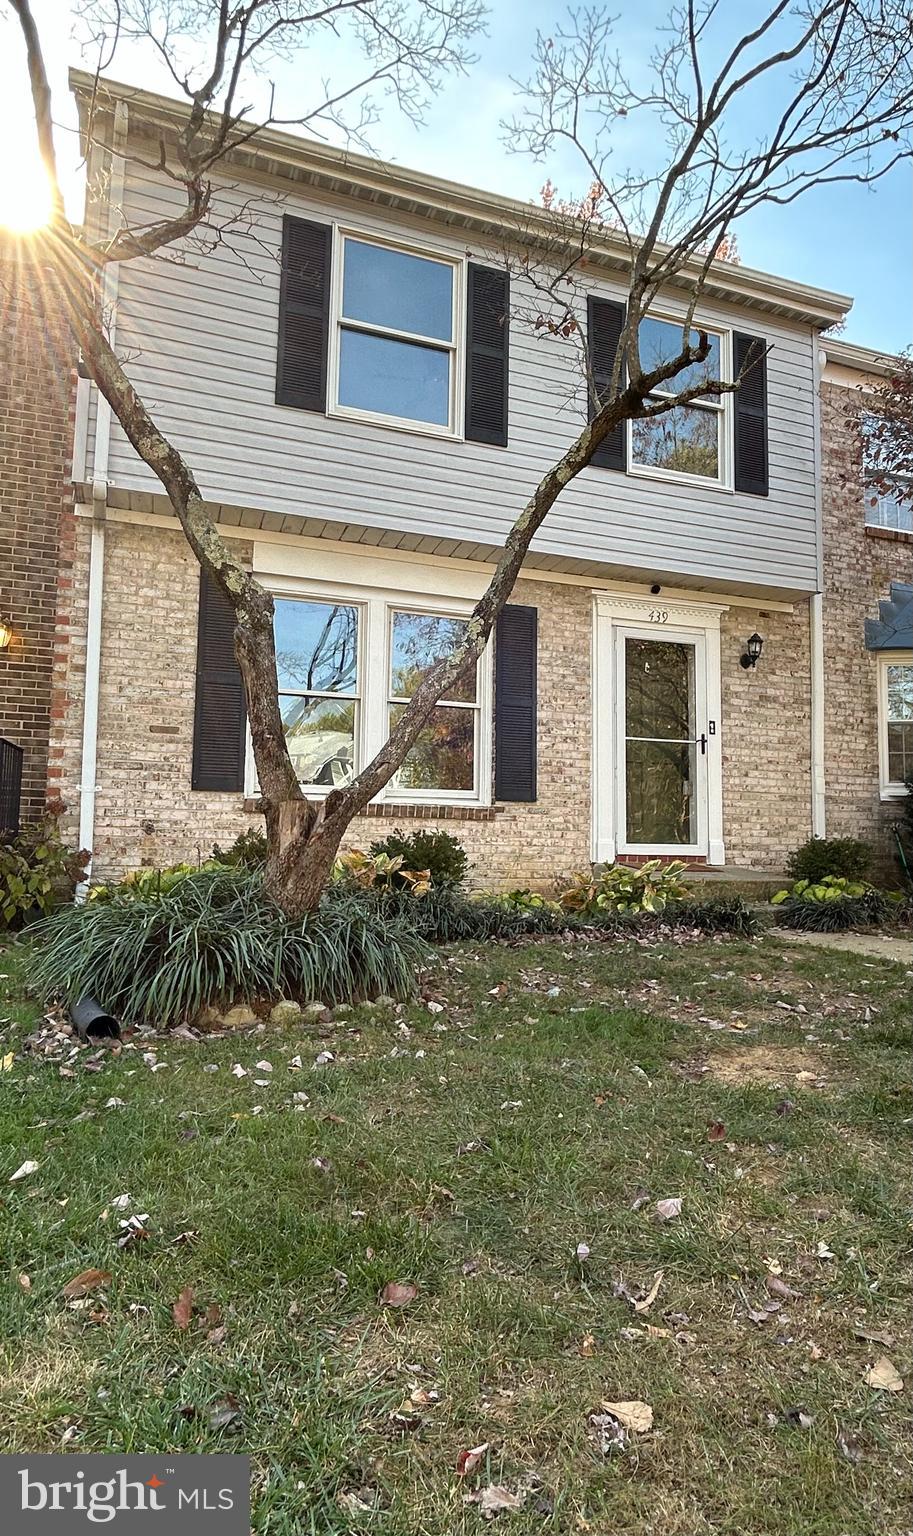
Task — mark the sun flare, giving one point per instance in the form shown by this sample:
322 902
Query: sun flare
25 197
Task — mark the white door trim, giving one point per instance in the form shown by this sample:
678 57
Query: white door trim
611 616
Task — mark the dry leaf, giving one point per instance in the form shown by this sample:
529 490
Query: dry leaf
398 1293
467 1461
494 1500
6 1062
716 1131
657 1333
182 1309
583 1252
635 1415
647 1301
25 1283
587 1345
87 1280
875 1336
23 1171
778 1287
884 1376
667 1210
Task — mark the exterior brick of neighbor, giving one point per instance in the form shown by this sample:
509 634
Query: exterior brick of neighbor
147 813
36 522
859 566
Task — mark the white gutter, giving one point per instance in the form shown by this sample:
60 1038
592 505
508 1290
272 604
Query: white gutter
816 639
816 620
88 788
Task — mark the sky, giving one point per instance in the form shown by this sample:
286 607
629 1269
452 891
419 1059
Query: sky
854 240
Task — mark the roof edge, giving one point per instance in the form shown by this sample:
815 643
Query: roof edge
486 211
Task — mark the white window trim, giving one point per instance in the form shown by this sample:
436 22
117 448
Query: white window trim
724 480
453 432
376 604
891 789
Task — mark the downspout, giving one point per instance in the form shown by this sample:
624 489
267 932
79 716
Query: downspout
88 787
816 627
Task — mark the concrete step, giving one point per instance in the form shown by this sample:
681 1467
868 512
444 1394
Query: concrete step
756 885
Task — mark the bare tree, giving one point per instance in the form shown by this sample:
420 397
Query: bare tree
826 88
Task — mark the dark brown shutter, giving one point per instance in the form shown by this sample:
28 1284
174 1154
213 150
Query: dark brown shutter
605 320
487 359
304 315
749 354
515 703
219 714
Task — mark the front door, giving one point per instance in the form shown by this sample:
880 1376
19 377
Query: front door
661 742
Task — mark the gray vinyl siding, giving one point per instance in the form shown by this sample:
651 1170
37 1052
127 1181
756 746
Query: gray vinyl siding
201 338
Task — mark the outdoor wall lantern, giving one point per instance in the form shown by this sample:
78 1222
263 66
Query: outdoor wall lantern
6 635
753 648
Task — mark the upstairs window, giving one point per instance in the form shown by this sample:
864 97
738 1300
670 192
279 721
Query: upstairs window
396 329
318 669
688 441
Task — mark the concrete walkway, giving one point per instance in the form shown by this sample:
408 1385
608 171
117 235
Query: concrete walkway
882 946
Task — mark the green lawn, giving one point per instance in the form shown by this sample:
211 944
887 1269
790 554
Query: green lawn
558 1094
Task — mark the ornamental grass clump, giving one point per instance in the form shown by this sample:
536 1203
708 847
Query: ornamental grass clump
215 937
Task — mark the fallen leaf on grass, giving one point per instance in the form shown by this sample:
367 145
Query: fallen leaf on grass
494 1500
667 1210
716 1131
226 1413
646 1302
582 1252
87 1280
778 1287
875 1336
635 1415
182 1309
884 1376
398 1293
23 1171
25 1283
6 1062
587 1345
467 1461
133 1230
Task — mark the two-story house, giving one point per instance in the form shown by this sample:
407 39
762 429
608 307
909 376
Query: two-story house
868 613
366 414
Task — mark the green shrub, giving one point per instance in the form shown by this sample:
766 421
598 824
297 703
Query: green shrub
247 850
38 872
830 905
846 857
213 938
442 855
829 888
624 889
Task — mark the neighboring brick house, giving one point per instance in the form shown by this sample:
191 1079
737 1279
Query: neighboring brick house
36 520
868 615
366 417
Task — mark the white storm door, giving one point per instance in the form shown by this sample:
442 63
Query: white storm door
661 742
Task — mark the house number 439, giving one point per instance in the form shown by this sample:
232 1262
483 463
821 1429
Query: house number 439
659 615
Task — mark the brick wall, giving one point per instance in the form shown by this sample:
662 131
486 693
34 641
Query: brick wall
859 565
147 813
36 525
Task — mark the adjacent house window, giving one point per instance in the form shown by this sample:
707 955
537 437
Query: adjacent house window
445 756
884 508
396 330
688 441
895 721
347 671
317 648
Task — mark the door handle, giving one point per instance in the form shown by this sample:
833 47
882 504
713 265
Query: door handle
703 743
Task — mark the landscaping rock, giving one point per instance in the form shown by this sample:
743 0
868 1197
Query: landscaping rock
285 1012
239 1017
311 1013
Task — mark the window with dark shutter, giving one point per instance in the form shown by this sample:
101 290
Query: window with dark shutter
304 309
219 714
605 320
487 355
515 703
749 360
